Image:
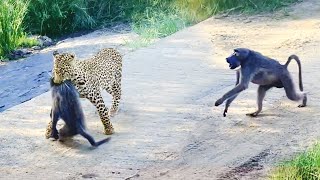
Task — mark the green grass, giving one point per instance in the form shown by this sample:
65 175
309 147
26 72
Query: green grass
12 13
163 17
305 166
168 17
197 10
158 24
28 42
151 19
58 17
138 42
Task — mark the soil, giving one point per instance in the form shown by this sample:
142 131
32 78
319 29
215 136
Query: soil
168 126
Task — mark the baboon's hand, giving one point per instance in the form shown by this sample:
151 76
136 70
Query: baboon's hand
218 102
225 113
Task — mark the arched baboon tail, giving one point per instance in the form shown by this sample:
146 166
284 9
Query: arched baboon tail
299 66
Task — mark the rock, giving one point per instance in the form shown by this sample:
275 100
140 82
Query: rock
36 48
20 53
45 41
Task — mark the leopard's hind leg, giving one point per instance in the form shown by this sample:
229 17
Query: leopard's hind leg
115 91
116 96
96 99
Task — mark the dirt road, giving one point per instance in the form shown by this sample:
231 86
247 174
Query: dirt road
167 127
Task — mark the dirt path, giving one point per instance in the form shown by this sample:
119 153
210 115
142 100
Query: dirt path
167 127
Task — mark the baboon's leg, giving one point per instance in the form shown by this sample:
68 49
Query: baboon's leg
261 94
289 88
54 120
246 76
229 101
304 101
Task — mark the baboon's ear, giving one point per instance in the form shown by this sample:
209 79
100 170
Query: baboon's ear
242 53
55 53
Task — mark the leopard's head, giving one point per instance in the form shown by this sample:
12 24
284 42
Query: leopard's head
62 66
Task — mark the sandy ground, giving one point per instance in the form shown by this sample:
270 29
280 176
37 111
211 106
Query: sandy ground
168 127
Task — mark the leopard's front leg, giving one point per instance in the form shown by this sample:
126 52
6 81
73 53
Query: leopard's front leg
97 100
48 130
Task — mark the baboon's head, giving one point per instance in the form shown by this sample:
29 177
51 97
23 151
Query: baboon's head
237 57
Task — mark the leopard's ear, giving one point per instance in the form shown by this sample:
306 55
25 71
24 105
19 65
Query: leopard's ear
55 53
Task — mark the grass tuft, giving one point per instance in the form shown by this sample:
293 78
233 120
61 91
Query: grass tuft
28 42
305 166
138 42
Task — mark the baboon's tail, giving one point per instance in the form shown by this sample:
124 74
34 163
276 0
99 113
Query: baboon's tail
299 66
90 138
103 141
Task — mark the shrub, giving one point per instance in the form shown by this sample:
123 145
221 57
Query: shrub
56 17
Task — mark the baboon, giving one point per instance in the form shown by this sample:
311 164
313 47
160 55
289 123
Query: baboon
66 106
264 71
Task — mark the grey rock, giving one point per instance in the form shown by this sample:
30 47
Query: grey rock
45 41
20 53
36 47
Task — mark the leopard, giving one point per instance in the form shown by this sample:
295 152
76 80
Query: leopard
101 72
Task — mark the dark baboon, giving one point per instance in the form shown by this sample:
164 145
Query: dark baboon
66 106
265 72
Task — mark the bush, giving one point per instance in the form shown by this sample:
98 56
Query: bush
56 17
12 13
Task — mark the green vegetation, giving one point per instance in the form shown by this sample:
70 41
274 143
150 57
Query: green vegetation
149 18
306 166
56 17
12 13
27 42
197 10
167 17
